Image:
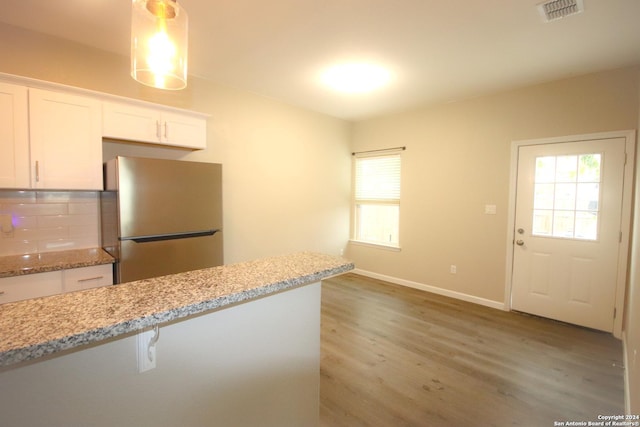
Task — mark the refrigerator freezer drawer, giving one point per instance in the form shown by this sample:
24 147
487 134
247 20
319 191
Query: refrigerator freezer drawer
162 257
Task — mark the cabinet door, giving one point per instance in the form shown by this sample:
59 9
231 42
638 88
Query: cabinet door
77 279
129 122
183 130
30 286
14 137
66 141
157 126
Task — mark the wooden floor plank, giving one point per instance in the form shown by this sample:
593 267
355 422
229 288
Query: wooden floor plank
396 356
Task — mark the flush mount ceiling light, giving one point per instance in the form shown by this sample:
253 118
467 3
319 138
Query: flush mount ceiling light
356 77
159 43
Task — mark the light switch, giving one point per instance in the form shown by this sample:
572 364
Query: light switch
490 209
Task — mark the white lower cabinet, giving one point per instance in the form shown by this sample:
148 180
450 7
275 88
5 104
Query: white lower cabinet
30 286
54 282
78 279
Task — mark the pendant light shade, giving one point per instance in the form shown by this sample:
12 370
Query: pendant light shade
159 39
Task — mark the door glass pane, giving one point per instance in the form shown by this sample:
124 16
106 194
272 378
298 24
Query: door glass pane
563 223
567 196
586 225
543 198
589 168
566 168
542 222
545 169
588 197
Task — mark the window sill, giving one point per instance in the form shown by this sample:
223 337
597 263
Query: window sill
375 245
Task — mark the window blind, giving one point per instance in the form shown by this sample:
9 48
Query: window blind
378 178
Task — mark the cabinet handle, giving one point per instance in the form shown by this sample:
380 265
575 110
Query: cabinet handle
91 278
158 129
166 131
37 171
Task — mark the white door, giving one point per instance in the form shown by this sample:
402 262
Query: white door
567 231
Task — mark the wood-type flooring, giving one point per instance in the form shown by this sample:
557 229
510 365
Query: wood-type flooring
396 356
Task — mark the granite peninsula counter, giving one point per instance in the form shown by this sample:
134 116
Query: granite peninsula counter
239 345
34 328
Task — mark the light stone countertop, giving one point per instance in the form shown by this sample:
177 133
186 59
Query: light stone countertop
43 326
18 265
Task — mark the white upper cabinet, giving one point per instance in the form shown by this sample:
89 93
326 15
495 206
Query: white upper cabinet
14 137
184 130
137 123
51 135
66 141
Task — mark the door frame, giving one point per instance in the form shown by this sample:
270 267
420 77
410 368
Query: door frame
625 223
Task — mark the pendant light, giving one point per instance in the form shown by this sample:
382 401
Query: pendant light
159 38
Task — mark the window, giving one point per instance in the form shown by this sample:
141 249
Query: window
567 196
376 205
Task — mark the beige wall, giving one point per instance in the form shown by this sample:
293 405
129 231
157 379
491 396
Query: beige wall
458 160
285 170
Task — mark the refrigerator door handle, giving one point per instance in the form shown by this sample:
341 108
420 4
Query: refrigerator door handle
173 236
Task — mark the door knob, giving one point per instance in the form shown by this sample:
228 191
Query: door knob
519 242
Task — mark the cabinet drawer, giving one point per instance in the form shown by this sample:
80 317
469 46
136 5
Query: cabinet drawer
77 279
30 286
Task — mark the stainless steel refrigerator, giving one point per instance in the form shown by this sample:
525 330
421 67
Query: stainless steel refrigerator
161 217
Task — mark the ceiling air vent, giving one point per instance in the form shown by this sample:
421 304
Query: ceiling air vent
557 9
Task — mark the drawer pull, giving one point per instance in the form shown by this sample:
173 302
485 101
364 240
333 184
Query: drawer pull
91 278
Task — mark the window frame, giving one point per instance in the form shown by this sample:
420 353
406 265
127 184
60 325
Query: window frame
357 202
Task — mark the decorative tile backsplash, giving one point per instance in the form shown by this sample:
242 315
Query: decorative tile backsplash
45 221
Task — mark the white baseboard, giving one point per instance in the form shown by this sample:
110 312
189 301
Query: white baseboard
625 362
433 289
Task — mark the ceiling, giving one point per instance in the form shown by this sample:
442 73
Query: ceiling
437 51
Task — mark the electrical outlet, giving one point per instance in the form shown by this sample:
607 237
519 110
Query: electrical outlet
6 225
146 345
453 269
